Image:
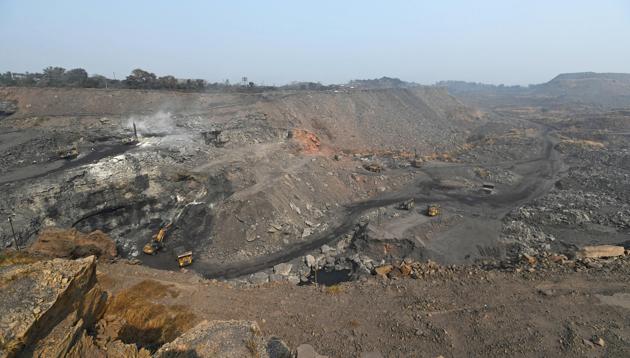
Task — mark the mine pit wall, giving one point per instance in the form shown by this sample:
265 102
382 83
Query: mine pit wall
425 118
111 195
125 197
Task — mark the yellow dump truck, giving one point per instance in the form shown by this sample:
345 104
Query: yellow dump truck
433 210
184 259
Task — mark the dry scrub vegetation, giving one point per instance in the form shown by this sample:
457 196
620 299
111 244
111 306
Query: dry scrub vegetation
147 323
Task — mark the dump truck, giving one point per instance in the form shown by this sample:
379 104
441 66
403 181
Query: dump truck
156 243
433 210
184 258
373 167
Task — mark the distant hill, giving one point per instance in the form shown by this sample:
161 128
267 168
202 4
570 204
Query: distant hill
605 89
462 87
381 83
585 88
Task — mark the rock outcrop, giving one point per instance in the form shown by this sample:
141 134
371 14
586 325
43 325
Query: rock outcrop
45 306
228 339
71 243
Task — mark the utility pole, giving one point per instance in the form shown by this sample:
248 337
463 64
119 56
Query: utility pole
135 132
17 247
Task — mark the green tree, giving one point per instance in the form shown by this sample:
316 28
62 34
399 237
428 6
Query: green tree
167 82
141 79
53 76
6 79
76 77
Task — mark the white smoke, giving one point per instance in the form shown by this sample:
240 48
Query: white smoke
158 124
161 129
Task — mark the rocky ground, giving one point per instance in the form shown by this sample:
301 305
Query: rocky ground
540 306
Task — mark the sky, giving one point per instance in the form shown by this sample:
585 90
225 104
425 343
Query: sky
276 42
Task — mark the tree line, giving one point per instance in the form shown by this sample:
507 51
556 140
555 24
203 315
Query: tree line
137 79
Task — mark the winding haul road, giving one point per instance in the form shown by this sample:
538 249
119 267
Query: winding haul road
481 213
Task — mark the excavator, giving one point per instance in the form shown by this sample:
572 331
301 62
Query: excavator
152 247
69 153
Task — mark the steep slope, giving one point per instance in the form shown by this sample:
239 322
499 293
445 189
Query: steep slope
354 118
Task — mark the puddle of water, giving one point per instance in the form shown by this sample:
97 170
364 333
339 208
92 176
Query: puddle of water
330 278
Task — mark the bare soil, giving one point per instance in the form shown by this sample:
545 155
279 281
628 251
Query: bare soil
459 312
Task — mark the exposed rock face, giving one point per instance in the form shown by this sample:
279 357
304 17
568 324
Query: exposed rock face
45 306
71 243
276 348
86 347
228 339
47 309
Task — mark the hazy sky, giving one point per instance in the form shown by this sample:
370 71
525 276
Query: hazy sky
495 41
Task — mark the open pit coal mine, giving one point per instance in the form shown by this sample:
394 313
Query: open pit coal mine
309 187
250 181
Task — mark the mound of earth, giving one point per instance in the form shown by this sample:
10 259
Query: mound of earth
71 243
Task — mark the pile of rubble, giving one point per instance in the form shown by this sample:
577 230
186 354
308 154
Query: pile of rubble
71 243
601 257
575 208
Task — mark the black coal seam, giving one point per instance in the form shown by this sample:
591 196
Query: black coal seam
106 210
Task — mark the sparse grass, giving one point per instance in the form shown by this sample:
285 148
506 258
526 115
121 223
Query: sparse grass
9 258
150 324
252 347
334 289
255 330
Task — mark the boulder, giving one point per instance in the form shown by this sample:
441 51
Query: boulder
283 269
227 339
310 261
274 277
276 348
259 278
326 249
601 251
383 270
